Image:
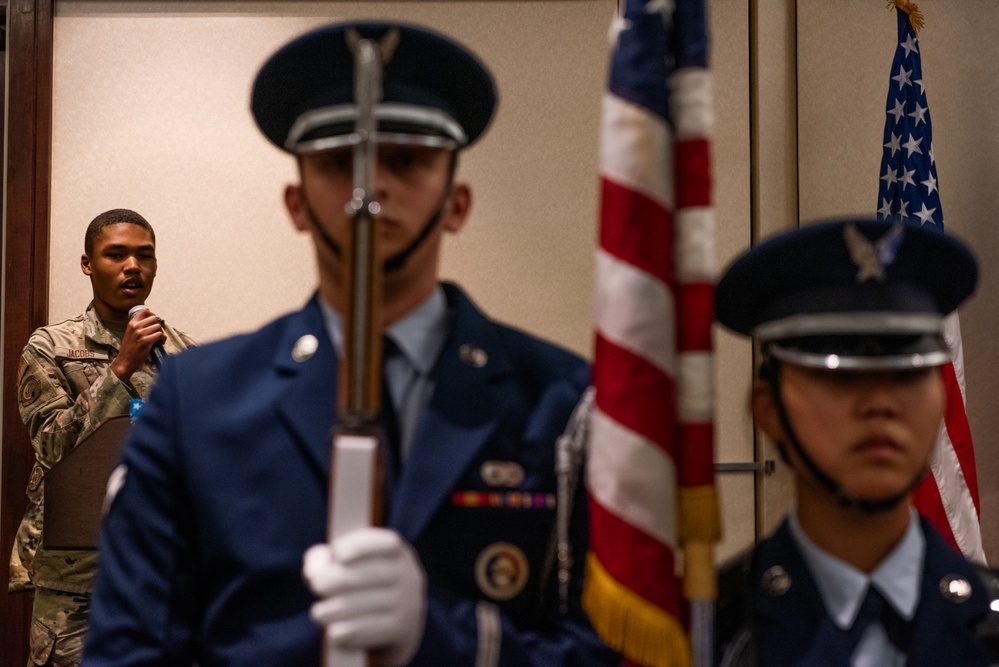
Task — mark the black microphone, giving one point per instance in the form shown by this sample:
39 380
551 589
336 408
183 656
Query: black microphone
156 354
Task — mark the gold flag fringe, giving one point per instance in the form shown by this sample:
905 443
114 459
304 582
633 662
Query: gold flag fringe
631 625
910 8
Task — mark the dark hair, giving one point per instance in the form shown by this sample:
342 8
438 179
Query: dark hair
114 217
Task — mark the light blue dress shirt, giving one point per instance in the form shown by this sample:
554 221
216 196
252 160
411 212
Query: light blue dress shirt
420 337
843 588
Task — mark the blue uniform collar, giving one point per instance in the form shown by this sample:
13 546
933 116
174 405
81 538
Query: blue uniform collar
843 586
420 334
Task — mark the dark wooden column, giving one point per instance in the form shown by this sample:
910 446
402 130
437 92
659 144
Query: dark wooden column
24 279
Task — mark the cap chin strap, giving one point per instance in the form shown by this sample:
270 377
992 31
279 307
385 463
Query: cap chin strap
843 499
396 261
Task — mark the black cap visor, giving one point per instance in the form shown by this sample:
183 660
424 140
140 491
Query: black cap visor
862 352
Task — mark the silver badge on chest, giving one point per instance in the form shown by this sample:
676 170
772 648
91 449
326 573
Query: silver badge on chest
507 474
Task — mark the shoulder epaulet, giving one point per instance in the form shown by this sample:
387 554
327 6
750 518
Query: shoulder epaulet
988 628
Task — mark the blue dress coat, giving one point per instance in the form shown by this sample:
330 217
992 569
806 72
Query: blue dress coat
786 625
227 486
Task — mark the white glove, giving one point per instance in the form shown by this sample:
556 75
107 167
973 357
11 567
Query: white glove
372 591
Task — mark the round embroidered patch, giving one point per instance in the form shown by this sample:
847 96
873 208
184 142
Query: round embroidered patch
501 571
30 390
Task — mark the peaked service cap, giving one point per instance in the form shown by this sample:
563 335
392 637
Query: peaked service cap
303 96
849 294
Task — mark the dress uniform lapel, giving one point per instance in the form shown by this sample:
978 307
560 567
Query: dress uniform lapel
792 625
305 361
951 601
464 411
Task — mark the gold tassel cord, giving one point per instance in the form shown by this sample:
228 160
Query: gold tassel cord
910 8
698 515
699 579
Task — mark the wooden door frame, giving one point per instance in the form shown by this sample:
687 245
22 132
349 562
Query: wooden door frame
25 276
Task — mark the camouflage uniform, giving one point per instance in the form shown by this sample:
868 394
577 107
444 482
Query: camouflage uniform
66 390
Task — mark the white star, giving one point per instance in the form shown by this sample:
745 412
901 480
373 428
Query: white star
618 25
919 114
663 7
902 205
885 209
898 111
890 177
906 177
903 78
909 45
894 144
930 183
922 89
933 160
912 145
926 214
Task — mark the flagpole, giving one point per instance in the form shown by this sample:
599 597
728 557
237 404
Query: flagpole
702 632
700 588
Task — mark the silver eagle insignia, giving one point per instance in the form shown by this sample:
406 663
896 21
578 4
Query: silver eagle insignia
873 258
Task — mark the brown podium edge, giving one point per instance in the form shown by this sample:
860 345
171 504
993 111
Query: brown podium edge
75 488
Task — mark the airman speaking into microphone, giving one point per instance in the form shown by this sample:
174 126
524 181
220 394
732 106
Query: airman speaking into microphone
73 377
215 550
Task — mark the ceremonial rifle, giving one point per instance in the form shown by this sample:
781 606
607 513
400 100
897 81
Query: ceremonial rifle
356 469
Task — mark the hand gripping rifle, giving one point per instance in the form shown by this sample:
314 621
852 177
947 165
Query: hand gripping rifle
356 470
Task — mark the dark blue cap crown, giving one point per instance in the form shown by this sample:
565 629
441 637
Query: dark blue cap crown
431 86
857 289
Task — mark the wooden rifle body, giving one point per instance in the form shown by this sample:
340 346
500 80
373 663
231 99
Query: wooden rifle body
356 468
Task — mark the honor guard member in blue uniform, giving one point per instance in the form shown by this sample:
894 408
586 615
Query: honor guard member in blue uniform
848 315
226 475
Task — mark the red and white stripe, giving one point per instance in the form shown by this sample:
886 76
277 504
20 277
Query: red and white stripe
949 496
651 429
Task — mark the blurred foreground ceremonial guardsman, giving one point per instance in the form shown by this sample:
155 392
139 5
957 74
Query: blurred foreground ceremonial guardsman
849 318
73 377
226 474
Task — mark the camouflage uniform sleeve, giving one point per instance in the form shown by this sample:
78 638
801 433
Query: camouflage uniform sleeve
60 404
177 340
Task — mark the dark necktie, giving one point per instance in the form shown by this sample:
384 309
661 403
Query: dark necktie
876 609
388 416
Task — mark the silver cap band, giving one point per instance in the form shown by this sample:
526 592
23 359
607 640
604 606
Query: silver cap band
429 117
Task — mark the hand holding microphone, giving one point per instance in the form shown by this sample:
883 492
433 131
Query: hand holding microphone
143 340
156 352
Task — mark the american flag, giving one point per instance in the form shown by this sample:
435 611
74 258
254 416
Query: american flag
908 190
650 471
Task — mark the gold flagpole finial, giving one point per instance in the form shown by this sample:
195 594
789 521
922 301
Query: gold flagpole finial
910 8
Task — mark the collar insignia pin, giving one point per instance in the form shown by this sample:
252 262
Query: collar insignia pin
776 581
305 347
473 356
955 588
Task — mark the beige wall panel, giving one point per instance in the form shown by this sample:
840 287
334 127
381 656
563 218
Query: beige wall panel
775 188
151 113
845 50
733 361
